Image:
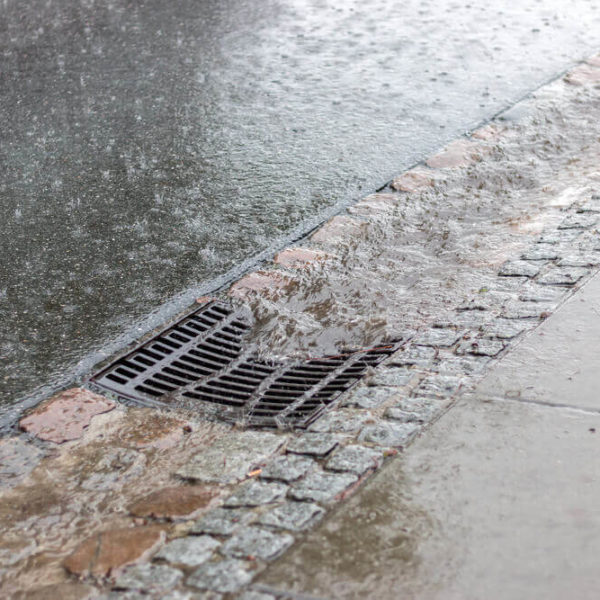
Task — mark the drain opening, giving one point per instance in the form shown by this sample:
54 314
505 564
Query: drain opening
201 363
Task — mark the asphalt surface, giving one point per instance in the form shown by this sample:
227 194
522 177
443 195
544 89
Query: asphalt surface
151 152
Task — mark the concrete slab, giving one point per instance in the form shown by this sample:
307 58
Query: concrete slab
562 350
498 500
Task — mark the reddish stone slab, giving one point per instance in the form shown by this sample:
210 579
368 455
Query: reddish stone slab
583 75
260 281
174 502
460 153
337 228
65 416
594 60
488 132
103 553
298 257
375 204
413 181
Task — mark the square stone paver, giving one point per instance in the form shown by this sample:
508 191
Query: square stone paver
257 542
293 516
256 493
319 486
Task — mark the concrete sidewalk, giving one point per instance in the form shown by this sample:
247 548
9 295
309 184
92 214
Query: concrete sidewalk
497 500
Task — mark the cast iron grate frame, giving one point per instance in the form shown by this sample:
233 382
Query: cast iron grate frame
201 363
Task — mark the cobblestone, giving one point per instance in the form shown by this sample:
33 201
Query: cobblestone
226 576
562 276
387 435
189 551
558 237
417 356
505 329
354 459
416 410
578 221
148 577
293 516
519 268
256 493
287 468
526 310
392 376
222 521
578 260
256 542
463 365
319 486
481 347
369 397
314 444
340 421
438 338
439 385
540 252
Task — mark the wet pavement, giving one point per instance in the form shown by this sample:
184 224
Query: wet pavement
149 150
108 501
496 500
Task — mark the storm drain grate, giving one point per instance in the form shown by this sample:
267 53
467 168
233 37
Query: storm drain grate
200 363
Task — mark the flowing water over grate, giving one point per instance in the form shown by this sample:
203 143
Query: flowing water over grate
201 363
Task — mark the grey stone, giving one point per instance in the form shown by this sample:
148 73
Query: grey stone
589 206
257 542
439 386
387 434
319 486
532 292
189 551
438 338
487 300
148 577
540 252
294 516
354 459
558 237
340 421
392 376
232 457
579 260
416 410
505 329
226 576
314 444
287 468
466 319
481 347
418 356
368 397
256 493
563 276
463 365
578 221
222 521
518 268
526 310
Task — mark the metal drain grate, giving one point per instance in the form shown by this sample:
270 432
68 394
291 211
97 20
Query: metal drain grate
200 363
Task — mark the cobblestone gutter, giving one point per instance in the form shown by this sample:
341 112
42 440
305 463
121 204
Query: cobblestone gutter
100 500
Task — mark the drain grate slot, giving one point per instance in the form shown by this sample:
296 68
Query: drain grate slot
201 363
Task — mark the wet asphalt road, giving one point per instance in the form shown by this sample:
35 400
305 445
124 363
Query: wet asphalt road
149 151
